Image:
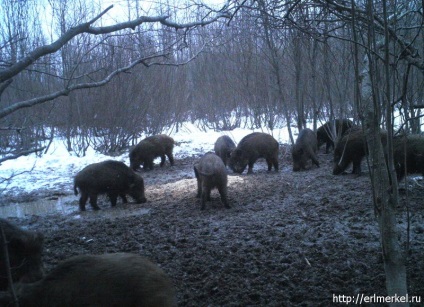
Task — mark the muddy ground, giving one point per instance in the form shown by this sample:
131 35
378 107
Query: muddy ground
290 239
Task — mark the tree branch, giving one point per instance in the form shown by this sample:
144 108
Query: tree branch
66 91
4 85
22 153
87 27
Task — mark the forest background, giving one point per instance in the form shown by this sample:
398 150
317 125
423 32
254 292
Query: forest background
267 63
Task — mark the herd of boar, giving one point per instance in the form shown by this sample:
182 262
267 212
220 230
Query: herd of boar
116 179
124 279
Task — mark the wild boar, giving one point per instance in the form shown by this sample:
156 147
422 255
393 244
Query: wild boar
413 146
352 148
305 149
25 250
252 147
211 173
223 147
120 279
108 177
150 148
325 132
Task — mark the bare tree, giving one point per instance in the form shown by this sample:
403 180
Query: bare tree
390 39
83 56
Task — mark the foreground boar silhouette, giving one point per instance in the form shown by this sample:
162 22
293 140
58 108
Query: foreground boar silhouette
252 147
304 149
25 249
120 279
211 173
113 178
150 148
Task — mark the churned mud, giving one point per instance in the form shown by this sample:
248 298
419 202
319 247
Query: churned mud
290 239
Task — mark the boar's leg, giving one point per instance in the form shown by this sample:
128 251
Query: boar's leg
199 184
224 159
356 166
149 164
250 167
113 198
223 193
314 159
162 160
93 201
124 198
83 200
206 195
269 162
203 200
273 162
208 192
171 158
327 146
199 189
338 169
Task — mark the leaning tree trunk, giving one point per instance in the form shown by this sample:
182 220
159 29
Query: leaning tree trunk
383 177
384 197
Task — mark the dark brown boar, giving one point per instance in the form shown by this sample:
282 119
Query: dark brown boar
211 173
150 148
352 148
24 249
101 280
325 132
224 145
305 149
252 147
413 146
110 177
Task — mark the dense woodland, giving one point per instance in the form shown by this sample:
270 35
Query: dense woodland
275 62
101 76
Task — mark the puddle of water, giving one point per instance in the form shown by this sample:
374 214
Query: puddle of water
39 207
62 206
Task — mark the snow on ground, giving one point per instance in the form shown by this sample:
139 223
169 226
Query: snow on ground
58 166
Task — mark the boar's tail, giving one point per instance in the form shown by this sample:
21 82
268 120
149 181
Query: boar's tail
75 190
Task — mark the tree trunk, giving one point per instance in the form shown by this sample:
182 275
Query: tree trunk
383 178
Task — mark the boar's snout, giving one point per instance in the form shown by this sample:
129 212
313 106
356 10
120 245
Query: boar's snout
337 170
141 200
